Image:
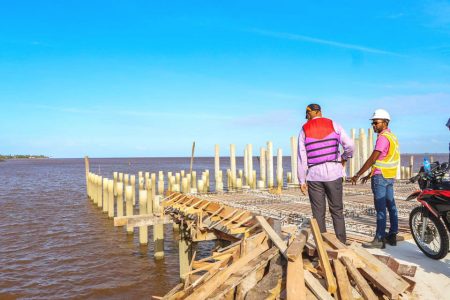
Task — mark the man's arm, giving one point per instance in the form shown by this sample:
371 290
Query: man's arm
302 163
382 144
369 163
346 142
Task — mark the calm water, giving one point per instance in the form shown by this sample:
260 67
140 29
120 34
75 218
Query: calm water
56 244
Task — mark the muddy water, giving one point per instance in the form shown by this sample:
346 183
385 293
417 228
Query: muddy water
55 244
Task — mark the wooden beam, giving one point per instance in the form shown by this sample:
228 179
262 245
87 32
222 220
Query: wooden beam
323 257
388 276
333 241
295 281
362 284
243 221
273 235
141 220
315 287
399 268
223 219
296 247
378 279
202 292
269 287
234 280
345 290
173 291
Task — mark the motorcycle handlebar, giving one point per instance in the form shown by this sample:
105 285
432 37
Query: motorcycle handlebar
437 170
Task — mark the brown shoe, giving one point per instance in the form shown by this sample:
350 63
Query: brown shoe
376 243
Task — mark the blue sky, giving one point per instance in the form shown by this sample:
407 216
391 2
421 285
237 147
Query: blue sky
146 78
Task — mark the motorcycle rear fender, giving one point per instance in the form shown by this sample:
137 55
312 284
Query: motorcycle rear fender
414 195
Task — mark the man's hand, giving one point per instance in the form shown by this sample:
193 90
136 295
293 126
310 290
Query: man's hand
304 188
365 178
343 162
354 179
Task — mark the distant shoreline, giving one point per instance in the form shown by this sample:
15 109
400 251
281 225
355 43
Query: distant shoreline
21 156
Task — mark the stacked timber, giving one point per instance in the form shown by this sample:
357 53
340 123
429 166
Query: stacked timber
266 261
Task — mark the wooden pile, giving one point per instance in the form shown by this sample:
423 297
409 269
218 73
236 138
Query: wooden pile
288 264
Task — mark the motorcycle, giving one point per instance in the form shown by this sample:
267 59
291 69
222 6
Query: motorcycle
427 220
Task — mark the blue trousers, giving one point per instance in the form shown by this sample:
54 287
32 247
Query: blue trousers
383 192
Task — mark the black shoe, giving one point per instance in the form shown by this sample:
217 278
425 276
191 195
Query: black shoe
376 243
391 239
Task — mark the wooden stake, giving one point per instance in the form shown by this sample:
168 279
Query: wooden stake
129 205
192 157
120 199
323 257
111 198
143 230
158 230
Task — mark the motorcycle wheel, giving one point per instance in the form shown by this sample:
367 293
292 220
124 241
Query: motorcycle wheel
435 243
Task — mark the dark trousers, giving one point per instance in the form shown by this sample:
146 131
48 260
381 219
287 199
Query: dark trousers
317 190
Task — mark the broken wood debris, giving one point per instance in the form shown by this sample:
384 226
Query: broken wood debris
262 264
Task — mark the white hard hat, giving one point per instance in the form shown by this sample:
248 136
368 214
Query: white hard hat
381 114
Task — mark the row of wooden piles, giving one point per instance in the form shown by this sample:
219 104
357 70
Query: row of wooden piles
274 262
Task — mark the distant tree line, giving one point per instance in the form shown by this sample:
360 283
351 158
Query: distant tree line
20 156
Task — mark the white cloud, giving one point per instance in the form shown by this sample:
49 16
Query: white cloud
304 38
135 113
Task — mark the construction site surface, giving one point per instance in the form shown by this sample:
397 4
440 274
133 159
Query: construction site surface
272 247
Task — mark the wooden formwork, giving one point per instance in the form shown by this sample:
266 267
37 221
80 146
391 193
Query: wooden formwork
266 261
291 207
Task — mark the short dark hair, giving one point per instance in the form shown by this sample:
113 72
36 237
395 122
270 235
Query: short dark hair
313 106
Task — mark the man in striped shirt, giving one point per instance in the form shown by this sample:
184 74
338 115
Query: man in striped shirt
321 167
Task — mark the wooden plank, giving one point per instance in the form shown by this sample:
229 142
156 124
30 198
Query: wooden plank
273 235
237 225
295 281
216 212
252 279
345 291
310 295
333 241
172 292
141 220
223 219
234 280
234 218
307 265
269 287
323 257
379 280
314 285
311 249
208 266
364 288
202 292
389 276
399 268
356 260
209 274
412 283
296 247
